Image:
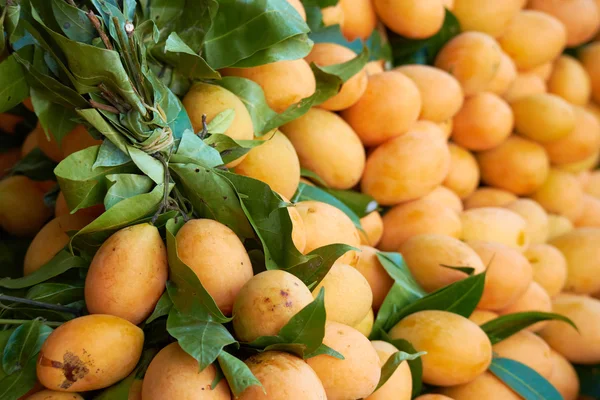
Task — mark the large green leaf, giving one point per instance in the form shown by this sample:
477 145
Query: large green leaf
56 293
361 204
24 343
19 383
193 150
73 21
188 63
288 49
507 325
56 119
238 375
124 186
13 85
392 364
529 384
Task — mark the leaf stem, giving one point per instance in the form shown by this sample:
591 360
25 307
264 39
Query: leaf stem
202 134
165 201
48 306
96 22
24 321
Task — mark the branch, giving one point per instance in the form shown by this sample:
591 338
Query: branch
40 304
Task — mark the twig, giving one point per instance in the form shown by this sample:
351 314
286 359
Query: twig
96 22
40 304
24 321
104 107
202 134
115 100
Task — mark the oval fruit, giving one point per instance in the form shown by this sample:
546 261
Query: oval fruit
493 224
399 385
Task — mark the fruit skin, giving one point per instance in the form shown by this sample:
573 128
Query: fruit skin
76 140
388 108
488 16
53 395
22 208
354 377
535 217
485 386
582 142
463 177
418 217
489 197
348 296
533 38
535 298
283 82
399 385
590 216
528 349
590 59
298 230
549 267
406 168
283 376
525 84
359 19
593 185
275 162
481 317
341 171
325 224
473 58
366 325
61 208
426 254
297 4
217 257
558 225
372 225
505 76
483 123
174 375
561 194
30 143
415 19
494 224
113 285
508 275
581 18
47 143
543 117
581 248
379 280
267 302
570 81
457 349
324 54
433 397
89 353
447 197
51 239
441 94
8 159
578 347
564 378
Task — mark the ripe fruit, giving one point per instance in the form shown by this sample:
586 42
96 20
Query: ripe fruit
61 208
590 216
354 377
283 376
487 16
266 303
297 4
366 325
581 248
406 168
22 208
76 140
399 385
457 349
283 82
543 117
274 162
406 220
372 225
217 257
113 285
445 196
549 267
564 378
53 395
433 397
298 230
483 123
388 108
324 54
581 347
570 81
590 59
427 255
535 298
379 280
359 19
428 127
485 386
581 18
524 85
415 19
561 194
533 38
473 58
494 224
441 94
341 171
48 144
528 349
173 374
89 353
325 224
348 296
558 226
535 217
505 76
489 197
481 317
508 275
463 177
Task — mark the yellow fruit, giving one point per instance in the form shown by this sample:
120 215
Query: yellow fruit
76 140
535 298
348 296
558 226
446 127
582 167
324 54
359 19
590 59
505 76
488 16
53 395
22 208
441 94
582 142
372 225
535 217
489 197
528 349
581 18
570 81
399 385
175 375
275 162
561 194
340 171
593 185
445 196
406 168
379 280
494 224
417 217
581 347
473 58
483 123
298 231
324 224
61 208
429 255
388 108
266 303
508 275
590 216
433 397
430 128
283 82
283 376
354 377
457 349
297 4
549 267
463 177
373 67
415 19
533 38
543 117
564 378
485 386
481 317
524 85
366 325
89 353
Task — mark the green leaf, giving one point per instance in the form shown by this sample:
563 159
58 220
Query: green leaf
56 293
392 364
13 85
505 326
4 336
312 268
56 120
162 308
73 22
193 149
35 165
221 122
96 120
403 292
308 192
59 264
361 204
24 343
467 270
18 384
200 336
326 350
289 49
124 186
238 375
229 148
415 365
187 62
149 165
306 173
109 155
589 379
523 380
348 69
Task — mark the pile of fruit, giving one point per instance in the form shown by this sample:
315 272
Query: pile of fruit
298 200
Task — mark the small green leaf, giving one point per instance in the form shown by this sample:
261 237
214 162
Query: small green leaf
312 268
229 148
523 380
415 365
73 21
162 308
56 293
238 375
149 165
13 85
392 364
361 204
348 69
24 343
326 350
193 150
507 325
124 186
467 270
221 122
109 155
306 173
35 165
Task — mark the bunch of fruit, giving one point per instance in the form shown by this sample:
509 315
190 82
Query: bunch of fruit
361 199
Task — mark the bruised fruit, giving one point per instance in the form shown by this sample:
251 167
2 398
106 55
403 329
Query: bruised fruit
493 224
581 248
379 280
89 353
399 384
22 208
